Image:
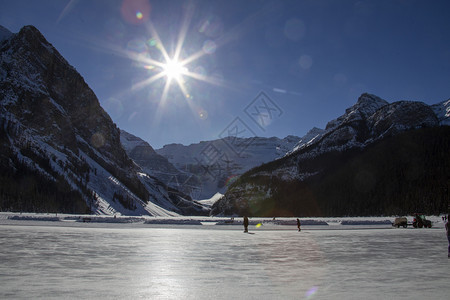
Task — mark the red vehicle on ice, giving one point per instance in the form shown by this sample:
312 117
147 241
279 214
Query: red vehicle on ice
420 221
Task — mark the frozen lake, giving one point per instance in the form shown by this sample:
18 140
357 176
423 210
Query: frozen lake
220 262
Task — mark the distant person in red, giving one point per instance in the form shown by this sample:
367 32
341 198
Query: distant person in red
245 224
298 224
447 228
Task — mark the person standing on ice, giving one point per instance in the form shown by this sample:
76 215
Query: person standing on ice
245 224
298 224
447 228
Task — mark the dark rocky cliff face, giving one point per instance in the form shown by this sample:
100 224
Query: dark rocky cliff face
53 94
400 116
145 156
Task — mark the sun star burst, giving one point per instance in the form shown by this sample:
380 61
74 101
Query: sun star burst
172 67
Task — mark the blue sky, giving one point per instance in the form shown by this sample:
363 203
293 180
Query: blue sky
298 64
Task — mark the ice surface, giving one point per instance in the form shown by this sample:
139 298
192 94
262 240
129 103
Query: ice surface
117 261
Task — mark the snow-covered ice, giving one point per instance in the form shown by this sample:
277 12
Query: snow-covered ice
43 259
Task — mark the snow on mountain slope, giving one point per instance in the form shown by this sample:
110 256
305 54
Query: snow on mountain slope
52 124
442 111
210 202
311 137
213 164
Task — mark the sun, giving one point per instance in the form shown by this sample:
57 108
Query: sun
173 66
174 69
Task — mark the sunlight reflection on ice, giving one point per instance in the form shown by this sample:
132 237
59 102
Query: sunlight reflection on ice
203 262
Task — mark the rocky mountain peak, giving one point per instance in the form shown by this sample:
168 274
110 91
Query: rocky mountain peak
367 99
130 141
366 105
32 33
4 33
146 157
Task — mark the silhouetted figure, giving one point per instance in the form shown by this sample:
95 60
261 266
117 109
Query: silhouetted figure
245 224
447 229
299 224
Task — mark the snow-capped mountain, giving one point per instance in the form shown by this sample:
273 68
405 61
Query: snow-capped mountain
60 149
369 124
157 165
369 120
210 166
372 118
344 127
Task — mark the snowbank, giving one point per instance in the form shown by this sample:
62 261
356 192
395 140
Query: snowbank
34 218
173 222
260 223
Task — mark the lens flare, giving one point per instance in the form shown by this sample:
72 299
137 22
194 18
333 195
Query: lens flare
311 292
231 179
209 47
200 71
135 11
211 26
203 114
305 62
97 140
114 107
152 42
137 45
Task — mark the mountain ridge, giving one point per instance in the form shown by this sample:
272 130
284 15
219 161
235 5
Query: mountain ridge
54 130
212 165
366 124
